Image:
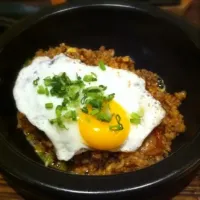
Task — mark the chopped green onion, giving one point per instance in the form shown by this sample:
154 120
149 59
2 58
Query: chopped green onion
64 79
90 77
83 99
103 87
47 91
96 103
118 118
74 115
58 121
49 105
75 97
47 81
94 74
64 108
73 92
110 97
94 112
35 82
78 82
84 109
59 110
117 127
48 159
71 115
135 118
93 89
70 91
53 121
61 125
65 101
105 117
59 84
102 65
41 89
67 115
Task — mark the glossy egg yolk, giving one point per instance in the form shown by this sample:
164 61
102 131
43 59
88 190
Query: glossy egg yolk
98 135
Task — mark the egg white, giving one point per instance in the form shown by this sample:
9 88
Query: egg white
129 91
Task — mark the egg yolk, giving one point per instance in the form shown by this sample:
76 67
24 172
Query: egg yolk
98 135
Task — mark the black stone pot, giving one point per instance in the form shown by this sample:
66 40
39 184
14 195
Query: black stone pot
157 41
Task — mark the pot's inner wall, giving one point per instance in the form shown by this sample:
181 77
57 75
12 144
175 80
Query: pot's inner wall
153 43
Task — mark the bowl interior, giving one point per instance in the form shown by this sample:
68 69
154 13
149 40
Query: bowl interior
155 44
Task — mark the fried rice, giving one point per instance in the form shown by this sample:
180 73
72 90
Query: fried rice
157 145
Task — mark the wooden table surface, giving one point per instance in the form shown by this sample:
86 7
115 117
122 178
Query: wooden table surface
189 9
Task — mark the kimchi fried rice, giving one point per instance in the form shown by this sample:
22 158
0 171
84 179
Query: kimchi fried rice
156 146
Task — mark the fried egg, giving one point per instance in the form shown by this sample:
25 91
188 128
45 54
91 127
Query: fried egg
88 133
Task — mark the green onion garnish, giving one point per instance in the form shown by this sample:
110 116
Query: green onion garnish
83 99
117 127
57 121
103 87
49 105
84 109
61 86
110 97
59 110
53 121
71 115
104 117
102 65
96 103
35 82
47 81
41 89
47 91
73 92
90 77
94 112
74 115
49 159
136 118
94 74
65 101
93 89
